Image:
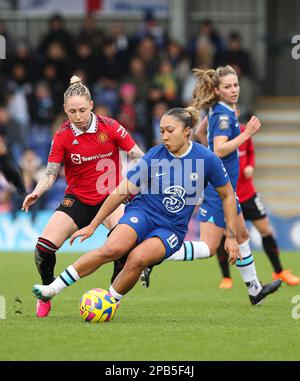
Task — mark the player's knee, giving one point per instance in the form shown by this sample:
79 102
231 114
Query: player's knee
113 250
266 230
243 236
44 256
213 247
44 249
136 262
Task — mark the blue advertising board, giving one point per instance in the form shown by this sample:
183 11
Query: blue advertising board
20 233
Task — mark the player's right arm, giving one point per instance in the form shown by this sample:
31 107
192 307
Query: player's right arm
42 186
56 157
229 206
218 177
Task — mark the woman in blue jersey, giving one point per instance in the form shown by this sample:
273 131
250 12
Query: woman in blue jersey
218 91
170 180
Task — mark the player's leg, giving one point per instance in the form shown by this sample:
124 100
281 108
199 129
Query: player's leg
57 230
210 236
110 222
212 224
189 251
269 242
222 257
247 268
254 211
272 250
70 216
148 252
122 239
192 250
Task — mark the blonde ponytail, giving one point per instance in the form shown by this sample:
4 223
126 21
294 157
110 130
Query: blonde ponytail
207 80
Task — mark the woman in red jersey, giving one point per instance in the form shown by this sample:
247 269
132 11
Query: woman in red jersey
88 145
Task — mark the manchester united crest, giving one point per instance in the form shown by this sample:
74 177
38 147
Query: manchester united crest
102 137
68 202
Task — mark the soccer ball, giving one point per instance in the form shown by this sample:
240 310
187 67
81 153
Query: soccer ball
97 306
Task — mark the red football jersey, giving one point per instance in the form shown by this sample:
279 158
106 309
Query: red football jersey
91 159
245 187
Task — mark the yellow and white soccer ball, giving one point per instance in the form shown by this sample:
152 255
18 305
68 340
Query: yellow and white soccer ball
97 306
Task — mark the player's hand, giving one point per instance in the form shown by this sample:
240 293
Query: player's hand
232 248
29 200
129 198
252 126
85 233
248 172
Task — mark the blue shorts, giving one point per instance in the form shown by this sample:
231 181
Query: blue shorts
144 227
211 210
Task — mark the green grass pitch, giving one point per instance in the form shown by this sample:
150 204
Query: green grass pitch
182 316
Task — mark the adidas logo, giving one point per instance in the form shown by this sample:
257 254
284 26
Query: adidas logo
75 142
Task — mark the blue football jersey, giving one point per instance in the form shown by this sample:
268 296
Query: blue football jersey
170 187
223 122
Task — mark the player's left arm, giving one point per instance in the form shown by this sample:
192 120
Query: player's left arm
116 198
135 153
126 143
223 146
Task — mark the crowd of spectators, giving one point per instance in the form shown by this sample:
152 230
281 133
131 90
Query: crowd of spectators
133 78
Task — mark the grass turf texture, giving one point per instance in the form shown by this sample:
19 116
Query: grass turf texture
182 316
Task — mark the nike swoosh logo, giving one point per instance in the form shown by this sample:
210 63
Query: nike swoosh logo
160 174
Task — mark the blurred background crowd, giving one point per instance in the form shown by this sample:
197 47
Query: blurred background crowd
133 77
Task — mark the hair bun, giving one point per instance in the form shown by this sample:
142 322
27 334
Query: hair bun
194 114
74 79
